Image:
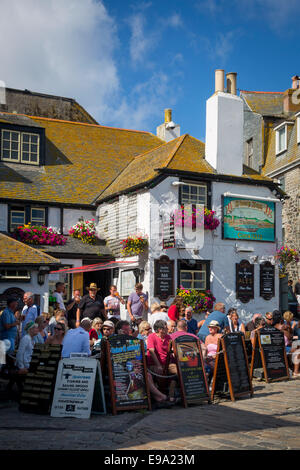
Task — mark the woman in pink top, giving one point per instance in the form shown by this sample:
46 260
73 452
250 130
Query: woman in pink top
211 343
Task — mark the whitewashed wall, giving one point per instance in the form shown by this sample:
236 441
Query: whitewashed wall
221 253
71 217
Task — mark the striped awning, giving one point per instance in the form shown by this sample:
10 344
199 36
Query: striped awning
96 267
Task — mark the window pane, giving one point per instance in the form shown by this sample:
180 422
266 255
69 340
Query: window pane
34 139
15 145
186 275
33 158
15 136
186 284
33 148
25 137
281 139
199 285
5 153
15 155
25 147
25 156
6 135
6 144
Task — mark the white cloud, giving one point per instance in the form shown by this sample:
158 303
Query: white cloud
60 47
140 41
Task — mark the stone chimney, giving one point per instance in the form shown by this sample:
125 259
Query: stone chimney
291 97
168 130
224 127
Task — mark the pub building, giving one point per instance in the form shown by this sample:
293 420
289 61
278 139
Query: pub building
134 183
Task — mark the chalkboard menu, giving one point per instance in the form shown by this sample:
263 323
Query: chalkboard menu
40 380
191 372
267 280
244 281
256 357
273 354
231 367
163 278
127 373
235 352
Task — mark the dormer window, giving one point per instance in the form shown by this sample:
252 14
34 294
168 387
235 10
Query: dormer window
20 147
298 127
281 137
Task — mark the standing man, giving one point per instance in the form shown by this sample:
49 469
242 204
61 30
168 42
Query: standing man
72 307
78 340
58 294
219 315
112 303
91 305
137 304
9 323
192 325
30 311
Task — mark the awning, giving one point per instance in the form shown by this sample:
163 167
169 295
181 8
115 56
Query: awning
95 267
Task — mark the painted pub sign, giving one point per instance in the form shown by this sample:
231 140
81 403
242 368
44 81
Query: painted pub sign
248 219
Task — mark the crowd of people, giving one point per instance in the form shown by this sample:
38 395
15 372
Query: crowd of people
81 324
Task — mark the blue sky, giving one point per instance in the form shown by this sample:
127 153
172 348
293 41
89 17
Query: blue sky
127 61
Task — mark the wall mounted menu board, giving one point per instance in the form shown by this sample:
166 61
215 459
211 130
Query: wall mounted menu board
191 372
267 280
273 354
163 278
231 367
127 373
39 383
244 281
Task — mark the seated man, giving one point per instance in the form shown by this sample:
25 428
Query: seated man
157 353
78 340
182 329
192 324
123 328
171 325
218 315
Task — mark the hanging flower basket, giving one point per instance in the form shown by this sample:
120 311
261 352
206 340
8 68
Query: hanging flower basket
84 230
211 222
199 301
134 245
285 256
39 235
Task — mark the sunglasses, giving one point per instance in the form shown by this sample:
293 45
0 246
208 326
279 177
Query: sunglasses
58 329
107 328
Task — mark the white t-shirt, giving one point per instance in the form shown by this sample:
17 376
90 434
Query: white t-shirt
59 300
158 316
114 304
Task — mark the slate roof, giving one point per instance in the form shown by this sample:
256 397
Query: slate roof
266 103
74 246
81 161
292 154
15 252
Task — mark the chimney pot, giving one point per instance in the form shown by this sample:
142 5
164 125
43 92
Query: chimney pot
231 82
168 115
295 82
219 80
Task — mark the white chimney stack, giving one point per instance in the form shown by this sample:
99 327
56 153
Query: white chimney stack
224 127
168 130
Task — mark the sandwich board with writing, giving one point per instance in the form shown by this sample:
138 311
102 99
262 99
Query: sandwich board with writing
231 371
191 371
270 353
78 389
127 373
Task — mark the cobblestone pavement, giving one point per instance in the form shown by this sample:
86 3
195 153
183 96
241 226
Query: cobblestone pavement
268 420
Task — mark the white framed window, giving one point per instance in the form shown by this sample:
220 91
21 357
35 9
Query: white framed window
17 218
191 279
194 194
10 146
281 140
298 128
30 148
19 147
14 274
38 216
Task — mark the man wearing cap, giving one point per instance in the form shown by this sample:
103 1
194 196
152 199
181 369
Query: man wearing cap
8 323
91 305
26 346
218 315
78 340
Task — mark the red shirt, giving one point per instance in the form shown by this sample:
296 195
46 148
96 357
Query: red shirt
173 313
160 346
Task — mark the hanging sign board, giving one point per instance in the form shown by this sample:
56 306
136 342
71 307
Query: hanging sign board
244 281
231 372
248 219
191 372
37 392
127 373
273 354
78 389
267 280
164 278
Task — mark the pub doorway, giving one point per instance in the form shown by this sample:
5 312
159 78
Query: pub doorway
102 278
